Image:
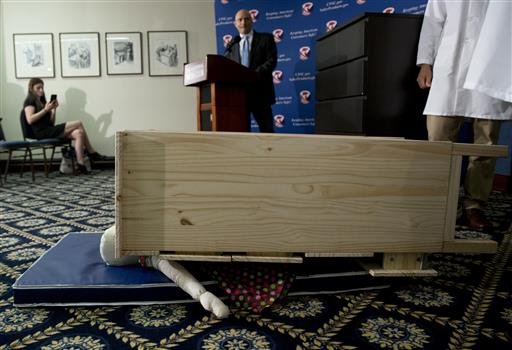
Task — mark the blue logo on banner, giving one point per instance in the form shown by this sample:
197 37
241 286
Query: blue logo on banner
295 26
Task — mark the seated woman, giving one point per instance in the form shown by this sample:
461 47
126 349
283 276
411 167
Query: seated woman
40 115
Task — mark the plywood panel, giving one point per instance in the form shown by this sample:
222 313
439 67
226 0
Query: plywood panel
403 261
402 273
238 192
452 197
471 149
470 246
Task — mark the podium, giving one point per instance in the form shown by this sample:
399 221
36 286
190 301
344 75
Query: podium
221 86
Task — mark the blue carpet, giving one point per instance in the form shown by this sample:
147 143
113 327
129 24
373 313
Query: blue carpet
468 306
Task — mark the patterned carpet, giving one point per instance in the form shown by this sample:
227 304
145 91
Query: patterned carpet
469 306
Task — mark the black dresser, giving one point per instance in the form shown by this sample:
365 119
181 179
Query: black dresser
366 78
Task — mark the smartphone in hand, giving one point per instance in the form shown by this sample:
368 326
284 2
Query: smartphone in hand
53 98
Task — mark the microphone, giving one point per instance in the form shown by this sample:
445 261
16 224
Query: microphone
233 42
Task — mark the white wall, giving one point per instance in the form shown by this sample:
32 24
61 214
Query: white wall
107 104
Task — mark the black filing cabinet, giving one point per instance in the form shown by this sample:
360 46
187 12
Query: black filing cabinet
366 78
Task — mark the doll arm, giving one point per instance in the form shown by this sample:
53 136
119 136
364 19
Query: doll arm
183 279
174 271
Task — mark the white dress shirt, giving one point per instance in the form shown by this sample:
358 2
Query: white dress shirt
243 37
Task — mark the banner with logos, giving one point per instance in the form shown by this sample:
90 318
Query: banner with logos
295 26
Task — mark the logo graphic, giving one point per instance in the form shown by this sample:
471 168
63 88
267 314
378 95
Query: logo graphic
304 96
277 76
360 2
331 25
227 39
254 14
278 35
304 53
389 10
279 121
224 2
307 8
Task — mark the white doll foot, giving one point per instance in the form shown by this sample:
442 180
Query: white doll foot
213 304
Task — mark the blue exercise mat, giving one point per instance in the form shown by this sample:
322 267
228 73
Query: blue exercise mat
73 273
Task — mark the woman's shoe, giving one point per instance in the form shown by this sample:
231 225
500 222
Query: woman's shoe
96 157
82 169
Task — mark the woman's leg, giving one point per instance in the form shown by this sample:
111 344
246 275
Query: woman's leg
77 125
88 145
78 136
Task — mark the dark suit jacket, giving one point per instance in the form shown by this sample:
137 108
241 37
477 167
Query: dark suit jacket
262 59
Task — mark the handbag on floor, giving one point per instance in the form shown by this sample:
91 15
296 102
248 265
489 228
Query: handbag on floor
66 164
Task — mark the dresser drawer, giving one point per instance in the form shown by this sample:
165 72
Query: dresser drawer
341 116
347 79
342 46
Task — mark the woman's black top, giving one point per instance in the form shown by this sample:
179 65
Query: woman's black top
42 128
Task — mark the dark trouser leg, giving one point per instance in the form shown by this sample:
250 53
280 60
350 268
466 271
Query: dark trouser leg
263 115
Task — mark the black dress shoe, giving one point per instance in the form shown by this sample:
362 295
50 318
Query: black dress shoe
97 157
82 169
476 220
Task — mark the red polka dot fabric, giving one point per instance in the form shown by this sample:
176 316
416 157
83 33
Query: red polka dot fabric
254 286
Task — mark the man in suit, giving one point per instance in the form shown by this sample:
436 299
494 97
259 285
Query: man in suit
258 52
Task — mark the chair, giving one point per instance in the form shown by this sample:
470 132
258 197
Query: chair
14 146
43 145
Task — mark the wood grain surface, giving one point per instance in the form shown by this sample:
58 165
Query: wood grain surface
238 192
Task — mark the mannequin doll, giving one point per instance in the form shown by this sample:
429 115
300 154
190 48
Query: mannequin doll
174 271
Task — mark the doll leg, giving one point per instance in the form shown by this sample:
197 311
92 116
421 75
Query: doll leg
183 279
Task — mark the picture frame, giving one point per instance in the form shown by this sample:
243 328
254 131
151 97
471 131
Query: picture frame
167 52
33 55
79 54
124 53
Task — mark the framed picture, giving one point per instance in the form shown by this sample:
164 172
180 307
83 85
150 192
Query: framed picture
167 51
124 53
33 55
80 55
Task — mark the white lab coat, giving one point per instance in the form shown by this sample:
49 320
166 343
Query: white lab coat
448 37
490 70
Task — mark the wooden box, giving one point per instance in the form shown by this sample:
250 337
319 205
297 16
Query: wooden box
223 196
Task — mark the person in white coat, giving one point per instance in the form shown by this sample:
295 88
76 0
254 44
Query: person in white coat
490 70
448 37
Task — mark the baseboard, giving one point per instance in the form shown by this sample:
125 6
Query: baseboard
15 165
